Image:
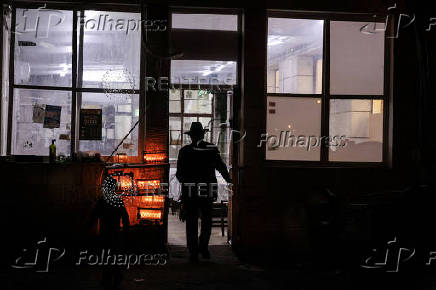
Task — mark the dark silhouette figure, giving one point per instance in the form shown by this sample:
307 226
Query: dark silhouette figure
196 166
110 210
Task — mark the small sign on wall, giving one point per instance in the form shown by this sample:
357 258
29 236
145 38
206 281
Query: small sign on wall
90 124
38 113
52 117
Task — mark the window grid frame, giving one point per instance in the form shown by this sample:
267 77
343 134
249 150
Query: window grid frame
325 95
76 70
182 115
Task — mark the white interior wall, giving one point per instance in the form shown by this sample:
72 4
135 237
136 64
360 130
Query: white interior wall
296 74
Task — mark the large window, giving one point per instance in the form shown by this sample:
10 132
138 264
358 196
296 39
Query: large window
49 95
42 57
111 54
325 107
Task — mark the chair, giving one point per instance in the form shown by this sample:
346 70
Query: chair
219 215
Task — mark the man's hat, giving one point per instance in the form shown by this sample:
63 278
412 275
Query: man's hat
196 129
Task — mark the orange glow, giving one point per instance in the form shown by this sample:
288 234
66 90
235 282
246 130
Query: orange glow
125 183
150 214
154 157
148 184
143 205
122 157
152 201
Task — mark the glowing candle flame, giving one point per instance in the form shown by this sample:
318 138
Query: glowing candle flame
154 158
150 214
152 201
125 183
148 184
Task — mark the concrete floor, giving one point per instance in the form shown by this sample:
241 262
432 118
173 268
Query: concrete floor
177 233
223 271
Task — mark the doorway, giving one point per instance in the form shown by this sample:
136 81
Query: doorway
212 109
204 78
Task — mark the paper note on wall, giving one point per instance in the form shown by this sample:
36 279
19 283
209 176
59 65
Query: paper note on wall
52 118
90 124
38 113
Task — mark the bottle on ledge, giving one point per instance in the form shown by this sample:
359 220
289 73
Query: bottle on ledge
52 149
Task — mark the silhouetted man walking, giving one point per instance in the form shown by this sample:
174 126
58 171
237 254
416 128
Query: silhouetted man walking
196 166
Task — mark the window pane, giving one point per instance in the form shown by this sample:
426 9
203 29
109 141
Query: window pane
174 152
356 127
198 101
175 94
206 72
36 123
186 126
175 106
206 122
198 106
175 103
187 122
111 50
295 56
222 135
175 123
205 21
186 140
118 117
294 129
175 137
356 59
43 47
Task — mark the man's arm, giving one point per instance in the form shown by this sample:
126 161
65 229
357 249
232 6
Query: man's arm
179 172
222 167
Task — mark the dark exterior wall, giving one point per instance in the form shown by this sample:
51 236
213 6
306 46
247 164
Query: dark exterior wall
47 200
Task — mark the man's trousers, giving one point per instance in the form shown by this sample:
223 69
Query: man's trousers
195 208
